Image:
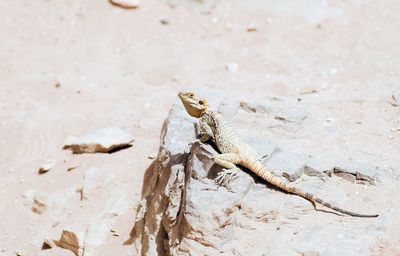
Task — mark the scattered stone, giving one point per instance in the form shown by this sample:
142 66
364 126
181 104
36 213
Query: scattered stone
308 90
126 4
252 27
164 21
395 98
72 168
114 233
72 239
38 202
48 244
104 140
19 253
232 67
46 167
57 85
152 156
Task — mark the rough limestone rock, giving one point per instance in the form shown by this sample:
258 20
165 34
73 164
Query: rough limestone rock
183 211
103 141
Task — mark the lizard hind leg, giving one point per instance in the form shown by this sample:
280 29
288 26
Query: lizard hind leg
228 161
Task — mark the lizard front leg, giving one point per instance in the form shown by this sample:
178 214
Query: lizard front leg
204 131
228 161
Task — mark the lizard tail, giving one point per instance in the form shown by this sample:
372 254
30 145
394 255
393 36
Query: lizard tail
258 168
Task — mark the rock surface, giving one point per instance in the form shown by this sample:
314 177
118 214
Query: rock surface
103 141
183 211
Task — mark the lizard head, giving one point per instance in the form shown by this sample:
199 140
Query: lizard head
193 104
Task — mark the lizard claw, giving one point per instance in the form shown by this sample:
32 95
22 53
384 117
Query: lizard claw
226 176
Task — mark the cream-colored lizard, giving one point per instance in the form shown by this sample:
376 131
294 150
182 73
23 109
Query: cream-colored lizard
235 151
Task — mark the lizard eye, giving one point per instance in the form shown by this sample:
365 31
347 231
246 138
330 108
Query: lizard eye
201 102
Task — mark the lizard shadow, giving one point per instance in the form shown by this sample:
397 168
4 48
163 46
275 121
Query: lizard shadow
139 223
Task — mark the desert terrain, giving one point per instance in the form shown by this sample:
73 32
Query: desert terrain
72 67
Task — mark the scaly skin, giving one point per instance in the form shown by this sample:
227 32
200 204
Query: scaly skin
235 151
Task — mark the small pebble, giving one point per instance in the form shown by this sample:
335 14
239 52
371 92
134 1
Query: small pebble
232 67
164 21
252 27
126 4
46 167
152 156
396 98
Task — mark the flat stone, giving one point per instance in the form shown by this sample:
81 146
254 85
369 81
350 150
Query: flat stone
99 141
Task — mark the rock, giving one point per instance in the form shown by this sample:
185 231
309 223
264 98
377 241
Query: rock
183 210
232 67
127 4
72 239
252 27
72 168
46 167
48 244
38 202
396 97
308 90
152 156
103 140
352 171
164 21
19 253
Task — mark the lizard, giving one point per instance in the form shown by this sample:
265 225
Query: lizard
235 151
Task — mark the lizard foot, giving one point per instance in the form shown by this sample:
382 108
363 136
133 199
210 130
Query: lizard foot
226 176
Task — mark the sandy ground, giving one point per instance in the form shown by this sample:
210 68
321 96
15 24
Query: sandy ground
123 68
